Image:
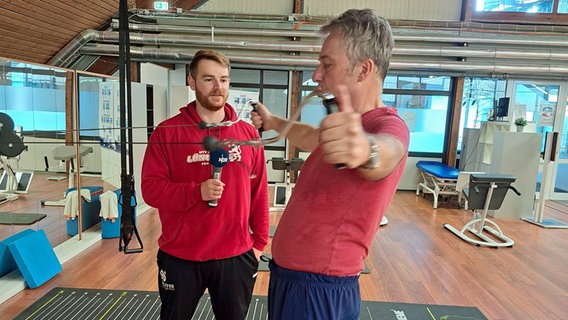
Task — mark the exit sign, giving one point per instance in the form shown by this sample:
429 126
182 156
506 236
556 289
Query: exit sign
161 5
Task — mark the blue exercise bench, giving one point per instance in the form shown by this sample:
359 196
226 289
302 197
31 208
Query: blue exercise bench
438 179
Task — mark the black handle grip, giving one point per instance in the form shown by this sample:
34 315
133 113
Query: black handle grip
515 190
332 107
254 108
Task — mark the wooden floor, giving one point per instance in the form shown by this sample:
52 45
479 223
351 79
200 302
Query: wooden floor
413 259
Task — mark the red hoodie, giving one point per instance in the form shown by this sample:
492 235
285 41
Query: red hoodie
175 164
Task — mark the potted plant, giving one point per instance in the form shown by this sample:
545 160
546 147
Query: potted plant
520 122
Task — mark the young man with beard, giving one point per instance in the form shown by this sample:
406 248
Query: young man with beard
203 247
333 214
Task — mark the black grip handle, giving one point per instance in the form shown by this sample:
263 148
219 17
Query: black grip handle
554 145
255 109
332 107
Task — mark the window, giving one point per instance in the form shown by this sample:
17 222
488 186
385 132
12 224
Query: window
478 101
422 102
33 96
562 6
89 104
526 6
272 87
518 11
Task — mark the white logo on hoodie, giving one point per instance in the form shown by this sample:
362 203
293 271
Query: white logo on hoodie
203 155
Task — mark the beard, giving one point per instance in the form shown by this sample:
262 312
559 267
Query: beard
213 101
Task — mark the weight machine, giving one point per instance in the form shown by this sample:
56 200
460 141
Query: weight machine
282 191
11 146
485 192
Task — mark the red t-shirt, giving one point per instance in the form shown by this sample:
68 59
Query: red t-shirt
333 214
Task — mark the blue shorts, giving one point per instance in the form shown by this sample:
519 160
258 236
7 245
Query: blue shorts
295 295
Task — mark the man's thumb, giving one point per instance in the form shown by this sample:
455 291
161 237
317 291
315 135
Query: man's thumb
343 99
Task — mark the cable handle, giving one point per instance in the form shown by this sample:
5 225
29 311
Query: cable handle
332 107
254 107
262 142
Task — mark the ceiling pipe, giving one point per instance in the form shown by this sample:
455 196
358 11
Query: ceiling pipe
184 56
461 26
70 52
174 40
218 30
291 46
313 47
192 14
400 34
190 40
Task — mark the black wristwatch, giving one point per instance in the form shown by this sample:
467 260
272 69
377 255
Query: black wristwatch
374 157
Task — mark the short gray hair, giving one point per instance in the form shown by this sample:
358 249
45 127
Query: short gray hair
366 36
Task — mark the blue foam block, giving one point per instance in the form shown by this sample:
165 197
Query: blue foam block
7 263
35 258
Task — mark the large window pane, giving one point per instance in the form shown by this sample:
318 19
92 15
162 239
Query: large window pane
33 96
245 76
526 6
426 118
89 103
478 101
562 6
419 83
430 83
277 102
272 87
534 98
276 77
422 102
314 111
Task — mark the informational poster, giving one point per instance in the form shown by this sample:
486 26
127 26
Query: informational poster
109 114
238 99
546 114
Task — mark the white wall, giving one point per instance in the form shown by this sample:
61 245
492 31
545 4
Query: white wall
159 78
411 175
248 6
442 10
438 10
154 74
38 148
177 78
179 97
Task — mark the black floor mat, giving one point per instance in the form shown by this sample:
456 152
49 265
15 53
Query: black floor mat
20 218
91 304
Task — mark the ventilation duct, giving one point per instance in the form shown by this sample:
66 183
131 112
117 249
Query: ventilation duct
501 54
